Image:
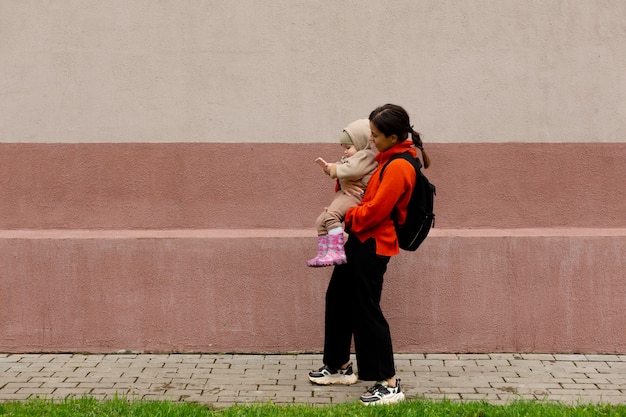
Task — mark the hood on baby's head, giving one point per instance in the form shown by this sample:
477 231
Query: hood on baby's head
359 133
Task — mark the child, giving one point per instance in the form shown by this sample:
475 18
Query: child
356 167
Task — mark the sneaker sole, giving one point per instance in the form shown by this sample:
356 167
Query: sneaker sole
389 399
352 379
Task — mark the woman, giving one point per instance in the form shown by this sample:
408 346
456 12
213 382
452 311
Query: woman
354 291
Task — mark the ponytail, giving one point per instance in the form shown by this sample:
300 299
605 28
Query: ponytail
417 141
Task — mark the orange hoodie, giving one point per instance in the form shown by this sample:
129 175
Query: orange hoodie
372 217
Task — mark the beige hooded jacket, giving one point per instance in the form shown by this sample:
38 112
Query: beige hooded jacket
360 165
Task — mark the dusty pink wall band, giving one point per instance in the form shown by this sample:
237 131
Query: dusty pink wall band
225 186
202 247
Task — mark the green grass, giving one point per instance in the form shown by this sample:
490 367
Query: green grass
87 407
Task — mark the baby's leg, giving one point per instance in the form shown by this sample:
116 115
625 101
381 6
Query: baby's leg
337 210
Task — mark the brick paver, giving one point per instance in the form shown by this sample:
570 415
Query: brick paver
227 379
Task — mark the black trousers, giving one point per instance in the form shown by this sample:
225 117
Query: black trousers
353 308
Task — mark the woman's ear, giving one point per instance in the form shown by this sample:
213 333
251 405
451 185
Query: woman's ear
394 139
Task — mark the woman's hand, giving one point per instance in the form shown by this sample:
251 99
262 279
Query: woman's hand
353 188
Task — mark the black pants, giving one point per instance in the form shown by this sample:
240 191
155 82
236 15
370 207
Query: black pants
353 307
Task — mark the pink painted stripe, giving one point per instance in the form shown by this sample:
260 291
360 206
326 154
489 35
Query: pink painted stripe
79 234
268 186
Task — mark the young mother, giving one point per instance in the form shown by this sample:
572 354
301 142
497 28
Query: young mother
354 291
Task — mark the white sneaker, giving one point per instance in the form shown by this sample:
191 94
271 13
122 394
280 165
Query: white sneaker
327 376
382 393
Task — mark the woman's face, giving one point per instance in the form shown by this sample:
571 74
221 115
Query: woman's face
381 141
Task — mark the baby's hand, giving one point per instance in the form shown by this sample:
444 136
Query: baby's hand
327 168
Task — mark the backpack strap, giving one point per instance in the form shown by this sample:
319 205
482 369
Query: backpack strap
417 165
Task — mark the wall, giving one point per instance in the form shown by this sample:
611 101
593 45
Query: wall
166 247
157 190
292 71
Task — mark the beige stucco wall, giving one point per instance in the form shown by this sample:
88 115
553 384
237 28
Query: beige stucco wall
294 71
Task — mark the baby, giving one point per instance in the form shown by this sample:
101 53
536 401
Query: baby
355 167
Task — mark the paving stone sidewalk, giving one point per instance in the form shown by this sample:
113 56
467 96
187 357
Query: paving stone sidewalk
226 379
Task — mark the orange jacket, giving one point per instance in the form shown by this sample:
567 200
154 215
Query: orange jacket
372 217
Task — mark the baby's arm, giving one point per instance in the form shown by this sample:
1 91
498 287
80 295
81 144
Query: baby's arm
355 167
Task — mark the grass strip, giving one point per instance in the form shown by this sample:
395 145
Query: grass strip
89 407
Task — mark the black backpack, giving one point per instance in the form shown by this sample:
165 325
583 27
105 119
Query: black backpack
419 216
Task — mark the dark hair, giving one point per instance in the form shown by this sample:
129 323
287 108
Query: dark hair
392 119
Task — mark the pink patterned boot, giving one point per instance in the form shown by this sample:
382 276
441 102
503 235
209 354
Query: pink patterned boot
322 248
335 255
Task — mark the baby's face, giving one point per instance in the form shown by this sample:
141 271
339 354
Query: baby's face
348 150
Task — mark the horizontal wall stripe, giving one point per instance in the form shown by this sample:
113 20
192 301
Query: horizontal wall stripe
267 186
86 234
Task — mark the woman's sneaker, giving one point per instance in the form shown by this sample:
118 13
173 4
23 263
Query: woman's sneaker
382 393
327 376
